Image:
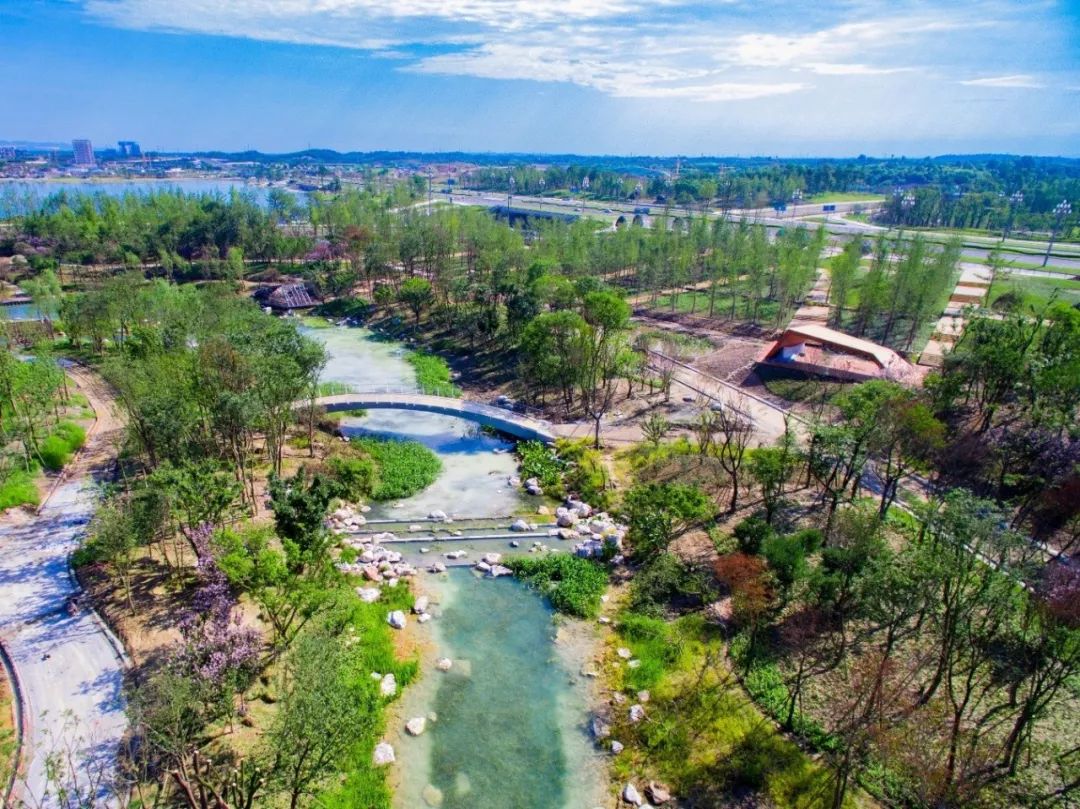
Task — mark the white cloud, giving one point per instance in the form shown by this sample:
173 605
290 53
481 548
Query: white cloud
1019 80
616 47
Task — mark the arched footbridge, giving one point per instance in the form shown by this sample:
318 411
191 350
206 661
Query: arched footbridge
496 418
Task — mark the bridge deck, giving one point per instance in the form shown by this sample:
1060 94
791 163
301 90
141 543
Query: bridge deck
504 421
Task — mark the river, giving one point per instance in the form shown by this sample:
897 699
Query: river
510 725
19 196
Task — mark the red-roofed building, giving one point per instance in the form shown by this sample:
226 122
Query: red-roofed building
822 351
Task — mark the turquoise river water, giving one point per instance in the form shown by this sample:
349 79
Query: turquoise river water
511 715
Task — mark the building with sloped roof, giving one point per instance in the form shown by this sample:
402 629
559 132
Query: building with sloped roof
821 351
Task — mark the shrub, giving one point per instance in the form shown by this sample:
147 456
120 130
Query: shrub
585 475
811 539
786 557
661 582
751 534
356 476
572 584
54 453
543 463
403 467
72 434
18 489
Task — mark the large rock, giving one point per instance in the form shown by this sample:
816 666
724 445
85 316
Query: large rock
499 570
421 604
432 796
388 685
438 515
637 713
566 520
384 754
657 793
416 726
444 664
519 525
396 619
616 747
369 595
600 728
492 558
631 795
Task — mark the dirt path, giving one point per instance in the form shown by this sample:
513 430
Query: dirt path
70 666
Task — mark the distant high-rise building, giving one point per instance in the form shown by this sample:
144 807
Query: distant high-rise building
7 152
84 152
129 148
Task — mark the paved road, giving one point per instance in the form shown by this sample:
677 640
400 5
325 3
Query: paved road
70 670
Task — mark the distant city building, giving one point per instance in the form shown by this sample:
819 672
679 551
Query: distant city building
84 152
129 148
7 152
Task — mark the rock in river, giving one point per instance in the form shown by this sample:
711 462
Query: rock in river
396 619
432 796
416 726
384 754
421 604
444 664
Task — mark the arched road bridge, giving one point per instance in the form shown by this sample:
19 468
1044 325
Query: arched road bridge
494 417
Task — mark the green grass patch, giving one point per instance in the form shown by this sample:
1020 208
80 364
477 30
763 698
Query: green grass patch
313 322
702 735
572 584
842 196
697 303
57 450
363 784
433 375
333 388
794 387
403 468
18 490
1037 292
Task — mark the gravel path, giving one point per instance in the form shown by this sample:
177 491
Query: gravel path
70 667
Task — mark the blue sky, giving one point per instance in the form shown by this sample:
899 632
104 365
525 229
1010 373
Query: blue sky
832 77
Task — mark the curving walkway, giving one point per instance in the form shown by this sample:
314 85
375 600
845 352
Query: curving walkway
69 666
497 418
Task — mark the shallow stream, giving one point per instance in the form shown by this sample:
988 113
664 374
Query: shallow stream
510 725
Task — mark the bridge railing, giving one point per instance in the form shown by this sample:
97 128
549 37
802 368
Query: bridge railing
414 390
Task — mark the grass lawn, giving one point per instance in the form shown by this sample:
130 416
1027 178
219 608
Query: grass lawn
702 735
797 388
1039 291
843 196
697 303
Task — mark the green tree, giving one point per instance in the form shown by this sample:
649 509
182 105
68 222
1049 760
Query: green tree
416 294
325 706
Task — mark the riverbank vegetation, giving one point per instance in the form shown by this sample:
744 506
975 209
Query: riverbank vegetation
858 623
401 468
572 584
433 375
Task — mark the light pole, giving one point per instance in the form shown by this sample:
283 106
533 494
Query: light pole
1061 210
796 196
542 184
509 194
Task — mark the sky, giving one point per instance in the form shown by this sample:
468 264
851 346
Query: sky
661 77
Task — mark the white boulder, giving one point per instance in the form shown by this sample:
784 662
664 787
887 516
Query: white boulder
384 754
416 726
396 619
